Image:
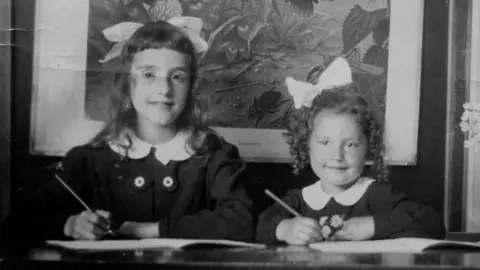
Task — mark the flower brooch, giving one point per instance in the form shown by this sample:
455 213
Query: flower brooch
330 225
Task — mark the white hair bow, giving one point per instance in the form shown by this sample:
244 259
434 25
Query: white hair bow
121 32
336 74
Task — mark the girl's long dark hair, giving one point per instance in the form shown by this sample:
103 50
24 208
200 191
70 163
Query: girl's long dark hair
122 115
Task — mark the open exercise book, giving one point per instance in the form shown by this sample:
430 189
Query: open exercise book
407 245
148 244
401 245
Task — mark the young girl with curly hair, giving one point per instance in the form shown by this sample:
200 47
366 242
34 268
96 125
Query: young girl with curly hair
334 132
156 169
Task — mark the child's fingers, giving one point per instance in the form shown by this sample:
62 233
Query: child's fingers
92 229
342 235
83 230
313 233
309 227
89 216
304 238
104 218
97 220
316 235
92 223
105 214
310 223
85 235
301 237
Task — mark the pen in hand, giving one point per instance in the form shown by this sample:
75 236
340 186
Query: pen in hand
109 231
279 201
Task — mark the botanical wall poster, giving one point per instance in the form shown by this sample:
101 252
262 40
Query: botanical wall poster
253 46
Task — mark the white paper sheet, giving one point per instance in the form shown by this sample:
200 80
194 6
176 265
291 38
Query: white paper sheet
408 245
144 244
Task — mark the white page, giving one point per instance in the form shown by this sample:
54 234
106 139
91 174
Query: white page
409 245
143 244
377 246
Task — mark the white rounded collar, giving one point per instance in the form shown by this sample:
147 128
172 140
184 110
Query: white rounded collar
175 149
317 199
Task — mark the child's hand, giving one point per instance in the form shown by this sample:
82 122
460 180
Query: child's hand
356 229
88 225
138 230
298 231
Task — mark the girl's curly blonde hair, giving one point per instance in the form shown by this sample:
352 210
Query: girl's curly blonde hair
340 100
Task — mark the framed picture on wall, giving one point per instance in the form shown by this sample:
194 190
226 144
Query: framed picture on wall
253 46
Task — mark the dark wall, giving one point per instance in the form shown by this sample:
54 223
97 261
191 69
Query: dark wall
5 23
423 182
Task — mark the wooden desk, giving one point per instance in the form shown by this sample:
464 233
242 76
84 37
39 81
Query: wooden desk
274 258
270 258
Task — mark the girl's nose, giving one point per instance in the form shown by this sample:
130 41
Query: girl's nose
162 86
337 152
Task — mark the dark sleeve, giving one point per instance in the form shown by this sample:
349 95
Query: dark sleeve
396 216
233 215
273 215
52 204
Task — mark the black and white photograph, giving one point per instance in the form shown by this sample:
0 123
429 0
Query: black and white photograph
240 134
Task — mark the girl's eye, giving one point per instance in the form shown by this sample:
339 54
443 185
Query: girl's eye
323 142
180 77
148 75
352 144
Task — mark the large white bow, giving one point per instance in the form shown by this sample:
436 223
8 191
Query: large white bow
336 74
121 32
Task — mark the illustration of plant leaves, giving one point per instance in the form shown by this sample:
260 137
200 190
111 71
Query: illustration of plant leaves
225 46
284 12
305 33
276 9
266 11
232 9
310 74
214 34
376 55
98 46
228 29
137 10
367 68
292 27
376 94
245 28
359 24
231 54
254 33
109 6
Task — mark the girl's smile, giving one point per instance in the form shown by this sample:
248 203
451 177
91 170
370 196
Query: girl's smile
336 168
167 104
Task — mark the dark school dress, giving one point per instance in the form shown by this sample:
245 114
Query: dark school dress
393 213
189 196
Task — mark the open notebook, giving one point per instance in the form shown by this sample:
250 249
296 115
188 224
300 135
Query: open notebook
408 245
148 244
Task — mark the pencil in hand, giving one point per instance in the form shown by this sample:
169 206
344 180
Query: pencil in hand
282 203
109 231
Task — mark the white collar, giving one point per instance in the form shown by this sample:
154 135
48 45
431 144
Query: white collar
175 149
316 198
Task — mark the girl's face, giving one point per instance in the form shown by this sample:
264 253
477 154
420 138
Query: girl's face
159 85
338 150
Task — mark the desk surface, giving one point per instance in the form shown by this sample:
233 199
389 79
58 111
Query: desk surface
271 258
